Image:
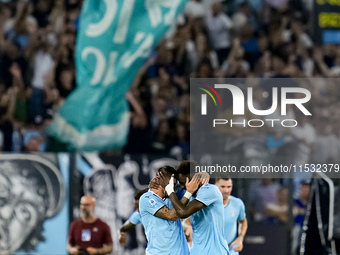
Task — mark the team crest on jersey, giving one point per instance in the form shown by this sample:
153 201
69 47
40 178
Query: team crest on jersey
152 202
232 213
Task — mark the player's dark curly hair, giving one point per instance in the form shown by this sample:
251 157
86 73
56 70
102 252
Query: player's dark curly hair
139 193
186 167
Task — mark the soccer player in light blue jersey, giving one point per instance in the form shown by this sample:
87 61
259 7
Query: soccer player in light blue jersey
133 220
162 225
234 214
206 210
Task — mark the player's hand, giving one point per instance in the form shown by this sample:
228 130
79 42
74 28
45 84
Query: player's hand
162 179
155 183
74 250
205 177
192 186
238 243
91 250
170 187
122 238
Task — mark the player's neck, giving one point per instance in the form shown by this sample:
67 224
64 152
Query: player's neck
225 202
158 192
90 219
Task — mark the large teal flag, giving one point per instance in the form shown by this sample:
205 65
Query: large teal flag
114 39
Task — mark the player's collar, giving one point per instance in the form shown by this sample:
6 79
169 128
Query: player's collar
157 195
225 205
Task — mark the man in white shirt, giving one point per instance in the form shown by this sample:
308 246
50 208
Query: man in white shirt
218 27
43 63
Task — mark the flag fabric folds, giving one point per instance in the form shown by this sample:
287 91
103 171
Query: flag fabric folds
114 39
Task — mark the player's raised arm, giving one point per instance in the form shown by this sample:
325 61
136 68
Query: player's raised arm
184 210
156 185
167 214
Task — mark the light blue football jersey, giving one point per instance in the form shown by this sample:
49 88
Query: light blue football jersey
135 218
234 211
164 237
207 223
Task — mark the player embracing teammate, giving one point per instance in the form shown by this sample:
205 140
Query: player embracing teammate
200 200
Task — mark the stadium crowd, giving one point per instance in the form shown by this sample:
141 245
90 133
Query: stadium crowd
211 39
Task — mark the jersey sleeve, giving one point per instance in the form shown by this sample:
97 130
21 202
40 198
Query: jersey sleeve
207 194
179 191
135 218
151 204
242 213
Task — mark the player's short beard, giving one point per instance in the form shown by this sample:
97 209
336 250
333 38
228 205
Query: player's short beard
86 214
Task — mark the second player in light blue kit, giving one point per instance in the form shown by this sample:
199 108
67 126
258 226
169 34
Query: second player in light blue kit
234 215
133 220
206 210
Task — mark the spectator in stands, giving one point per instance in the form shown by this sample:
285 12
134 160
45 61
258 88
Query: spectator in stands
261 195
22 26
326 145
204 70
66 81
42 12
34 137
43 64
182 132
204 51
21 95
37 45
278 212
241 17
235 66
11 55
218 27
6 112
52 102
139 132
162 140
184 107
160 111
305 134
300 203
251 45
